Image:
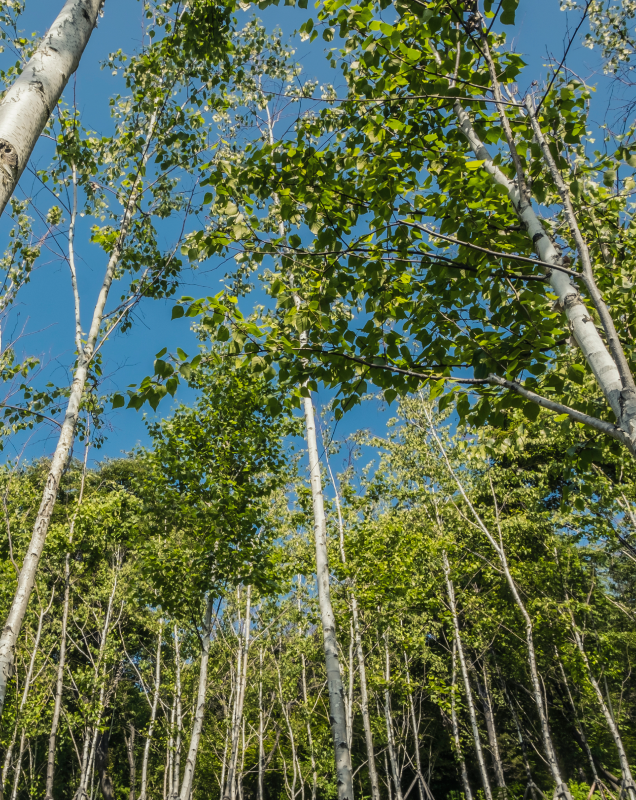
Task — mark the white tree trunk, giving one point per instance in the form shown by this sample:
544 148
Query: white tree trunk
88 755
59 682
29 102
330 642
261 731
364 694
621 401
237 716
195 738
176 758
26 579
486 701
153 716
395 770
424 787
458 745
467 688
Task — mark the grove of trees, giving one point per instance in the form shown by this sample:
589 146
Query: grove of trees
254 605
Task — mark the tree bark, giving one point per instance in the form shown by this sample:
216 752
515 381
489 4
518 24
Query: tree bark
197 727
26 107
464 670
261 731
330 643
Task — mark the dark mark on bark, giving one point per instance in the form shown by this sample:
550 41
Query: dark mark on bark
8 162
537 236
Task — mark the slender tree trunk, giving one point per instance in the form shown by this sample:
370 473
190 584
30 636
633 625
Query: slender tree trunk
153 716
364 695
170 769
292 739
26 578
458 745
101 763
467 688
577 722
197 727
395 771
561 789
88 756
26 107
132 764
486 702
424 787
261 732
18 767
330 642
176 774
310 739
59 682
241 679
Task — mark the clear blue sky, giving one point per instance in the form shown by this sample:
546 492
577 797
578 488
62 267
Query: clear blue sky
45 308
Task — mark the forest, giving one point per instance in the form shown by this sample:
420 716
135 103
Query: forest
363 523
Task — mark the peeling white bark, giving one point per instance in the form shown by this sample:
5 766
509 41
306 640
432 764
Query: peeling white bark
29 102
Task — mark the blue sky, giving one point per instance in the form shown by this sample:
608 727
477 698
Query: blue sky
44 311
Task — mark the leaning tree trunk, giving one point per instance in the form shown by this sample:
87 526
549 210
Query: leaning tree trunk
562 789
26 579
628 788
195 738
610 367
330 643
464 670
26 107
579 728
